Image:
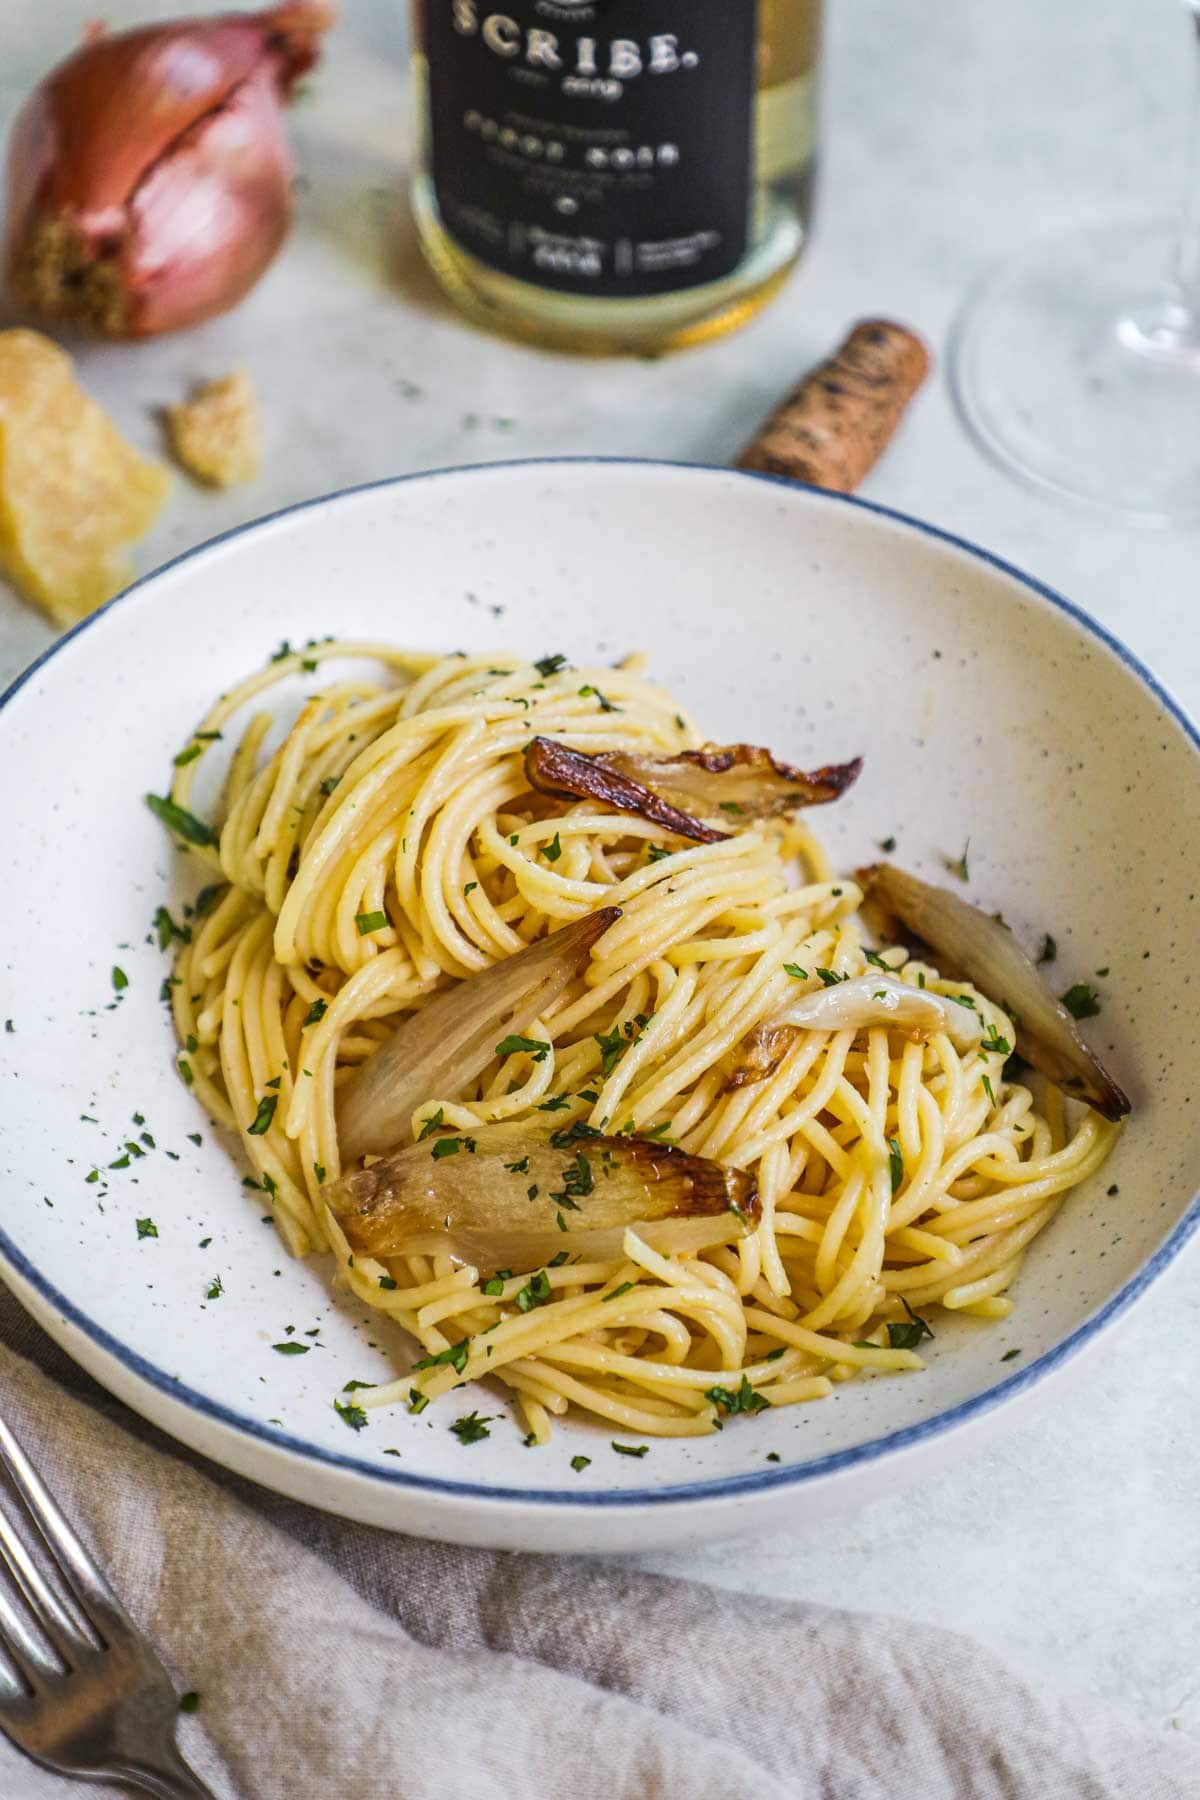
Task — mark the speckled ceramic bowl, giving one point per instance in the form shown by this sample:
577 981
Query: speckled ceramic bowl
985 706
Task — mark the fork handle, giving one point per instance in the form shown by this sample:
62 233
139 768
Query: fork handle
172 1782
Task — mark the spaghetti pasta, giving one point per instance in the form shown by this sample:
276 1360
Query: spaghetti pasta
386 843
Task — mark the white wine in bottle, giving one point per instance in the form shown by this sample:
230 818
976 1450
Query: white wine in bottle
614 175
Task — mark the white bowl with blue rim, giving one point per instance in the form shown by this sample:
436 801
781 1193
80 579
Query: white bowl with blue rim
985 706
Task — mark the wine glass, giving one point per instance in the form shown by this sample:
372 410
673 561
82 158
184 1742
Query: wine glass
1077 370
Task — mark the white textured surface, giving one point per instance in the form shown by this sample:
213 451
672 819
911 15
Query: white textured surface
1073 1545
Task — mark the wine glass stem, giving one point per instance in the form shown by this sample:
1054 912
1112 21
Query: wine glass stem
1184 291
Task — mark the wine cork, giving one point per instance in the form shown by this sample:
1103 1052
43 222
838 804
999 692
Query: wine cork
832 429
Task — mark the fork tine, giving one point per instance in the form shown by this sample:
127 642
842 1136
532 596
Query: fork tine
24 1647
85 1578
61 1626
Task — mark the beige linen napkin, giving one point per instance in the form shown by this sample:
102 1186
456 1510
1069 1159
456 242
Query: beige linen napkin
336 1662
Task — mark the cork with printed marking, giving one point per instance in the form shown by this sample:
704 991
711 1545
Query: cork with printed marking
832 428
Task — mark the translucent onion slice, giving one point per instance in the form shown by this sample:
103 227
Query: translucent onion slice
969 944
440 1050
854 1005
882 1000
742 780
514 1195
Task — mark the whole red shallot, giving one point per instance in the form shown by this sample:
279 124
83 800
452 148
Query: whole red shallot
149 176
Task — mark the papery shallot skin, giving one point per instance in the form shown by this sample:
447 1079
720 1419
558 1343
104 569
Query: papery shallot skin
149 175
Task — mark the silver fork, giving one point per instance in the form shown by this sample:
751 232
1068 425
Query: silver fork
81 1690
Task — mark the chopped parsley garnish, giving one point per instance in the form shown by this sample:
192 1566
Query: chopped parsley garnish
368 922
120 979
590 692
454 1354
189 1702
556 1262
571 1134
887 845
512 1046
577 1182
616 1292
730 806
654 853
550 665
264 1115
167 929
350 1414
830 978
895 1163
147 1228
873 956
579 1463
292 1348
183 823
908 1333
493 1285
185 1071
285 650
744 1400
417 1401
518 1168
388 1283
470 888
1048 951
472 1429
432 1123
536 1292
993 1041
987 1088
1009 1355
553 850
555 1103
329 783
795 971
319 1172
1114 1189
189 754
1082 1001
446 1147
214 1289
630 1449
316 1012
958 865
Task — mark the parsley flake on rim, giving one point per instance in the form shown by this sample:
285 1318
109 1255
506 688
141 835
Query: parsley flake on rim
958 865
146 1228
350 1414
1082 1000
472 1429
630 1449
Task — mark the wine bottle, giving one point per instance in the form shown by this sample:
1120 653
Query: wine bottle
614 175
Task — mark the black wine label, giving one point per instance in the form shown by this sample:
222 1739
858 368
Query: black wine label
594 146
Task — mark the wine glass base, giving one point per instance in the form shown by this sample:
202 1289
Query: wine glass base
1074 373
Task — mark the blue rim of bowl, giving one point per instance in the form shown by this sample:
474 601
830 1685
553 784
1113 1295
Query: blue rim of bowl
726 1487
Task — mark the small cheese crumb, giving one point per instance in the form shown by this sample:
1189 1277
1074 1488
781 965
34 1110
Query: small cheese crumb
216 434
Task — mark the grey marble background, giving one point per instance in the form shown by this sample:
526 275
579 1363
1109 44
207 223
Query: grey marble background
953 134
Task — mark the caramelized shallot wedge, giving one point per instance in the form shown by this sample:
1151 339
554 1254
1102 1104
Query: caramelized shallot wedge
741 780
516 1195
442 1048
972 945
856 1005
